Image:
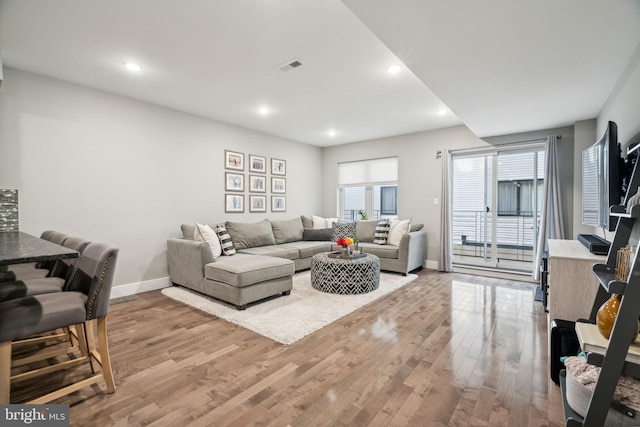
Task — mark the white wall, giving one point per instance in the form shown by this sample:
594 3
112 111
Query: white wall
419 174
116 170
623 104
622 107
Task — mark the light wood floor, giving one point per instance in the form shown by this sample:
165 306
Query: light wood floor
445 350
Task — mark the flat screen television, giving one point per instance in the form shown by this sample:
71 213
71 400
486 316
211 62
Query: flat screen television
602 179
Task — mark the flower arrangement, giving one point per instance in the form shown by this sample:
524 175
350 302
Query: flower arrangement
345 242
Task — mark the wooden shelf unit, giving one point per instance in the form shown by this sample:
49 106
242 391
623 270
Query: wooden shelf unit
618 355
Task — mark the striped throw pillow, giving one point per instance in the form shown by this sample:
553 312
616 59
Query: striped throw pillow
225 240
382 232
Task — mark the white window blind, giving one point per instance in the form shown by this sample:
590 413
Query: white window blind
376 171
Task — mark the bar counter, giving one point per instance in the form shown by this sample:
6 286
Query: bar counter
17 247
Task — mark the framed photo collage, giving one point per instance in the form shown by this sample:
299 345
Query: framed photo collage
257 185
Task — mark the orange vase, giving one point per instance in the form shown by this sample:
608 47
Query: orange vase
607 314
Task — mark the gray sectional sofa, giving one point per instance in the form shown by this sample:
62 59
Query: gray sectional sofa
270 252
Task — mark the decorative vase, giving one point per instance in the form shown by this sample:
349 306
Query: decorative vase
607 314
633 200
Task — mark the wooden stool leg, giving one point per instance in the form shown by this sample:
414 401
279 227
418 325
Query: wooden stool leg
90 339
104 355
5 372
81 338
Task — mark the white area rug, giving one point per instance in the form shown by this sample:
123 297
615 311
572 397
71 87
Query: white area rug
288 318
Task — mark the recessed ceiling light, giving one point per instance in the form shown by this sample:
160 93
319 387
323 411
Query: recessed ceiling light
332 132
442 111
393 69
132 66
263 110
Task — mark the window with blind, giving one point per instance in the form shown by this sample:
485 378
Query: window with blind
368 189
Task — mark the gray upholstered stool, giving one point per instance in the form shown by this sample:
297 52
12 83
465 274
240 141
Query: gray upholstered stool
345 276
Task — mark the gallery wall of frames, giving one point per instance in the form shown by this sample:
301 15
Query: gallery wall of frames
264 184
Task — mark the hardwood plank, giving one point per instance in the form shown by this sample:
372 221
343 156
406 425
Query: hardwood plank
447 349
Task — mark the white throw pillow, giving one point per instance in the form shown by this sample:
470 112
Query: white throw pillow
397 230
320 222
204 233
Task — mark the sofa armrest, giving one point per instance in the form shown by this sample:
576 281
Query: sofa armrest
186 259
412 250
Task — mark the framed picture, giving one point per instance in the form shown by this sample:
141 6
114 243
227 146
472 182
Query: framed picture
257 184
257 164
257 203
234 181
278 185
233 160
278 203
278 167
234 203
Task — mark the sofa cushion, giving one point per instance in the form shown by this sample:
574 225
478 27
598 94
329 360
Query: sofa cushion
280 251
188 231
244 270
204 233
309 249
249 235
322 234
381 251
320 222
225 240
397 230
382 232
287 231
343 230
416 227
306 222
366 230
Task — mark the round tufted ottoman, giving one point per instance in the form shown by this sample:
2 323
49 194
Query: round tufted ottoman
345 276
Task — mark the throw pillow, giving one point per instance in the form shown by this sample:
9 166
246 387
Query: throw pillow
225 240
343 230
382 232
204 233
397 230
321 235
320 222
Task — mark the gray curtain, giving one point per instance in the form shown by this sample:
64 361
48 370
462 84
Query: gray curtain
446 254
551 225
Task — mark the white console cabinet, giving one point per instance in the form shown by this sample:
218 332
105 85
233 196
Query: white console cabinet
572 285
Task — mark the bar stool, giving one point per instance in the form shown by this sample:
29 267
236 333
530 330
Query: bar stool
85 305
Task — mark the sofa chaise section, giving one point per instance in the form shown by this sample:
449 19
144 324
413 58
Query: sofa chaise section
240 279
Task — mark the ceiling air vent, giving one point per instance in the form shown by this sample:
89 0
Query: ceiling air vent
290 65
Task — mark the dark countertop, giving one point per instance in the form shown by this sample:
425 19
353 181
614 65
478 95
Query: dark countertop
17 247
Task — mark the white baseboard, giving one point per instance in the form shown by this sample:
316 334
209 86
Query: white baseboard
139 287
432 265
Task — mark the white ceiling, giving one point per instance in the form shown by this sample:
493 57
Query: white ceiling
502 66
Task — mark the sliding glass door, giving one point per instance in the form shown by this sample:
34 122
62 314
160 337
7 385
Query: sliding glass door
496 199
